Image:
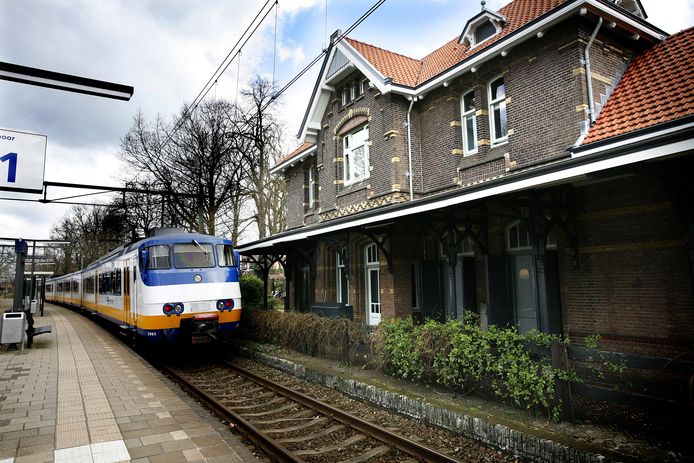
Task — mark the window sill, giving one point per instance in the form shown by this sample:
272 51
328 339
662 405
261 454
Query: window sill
351 188
499 142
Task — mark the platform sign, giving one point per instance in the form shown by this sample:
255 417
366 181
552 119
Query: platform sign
22 161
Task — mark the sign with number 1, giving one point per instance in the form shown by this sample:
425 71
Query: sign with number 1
22 161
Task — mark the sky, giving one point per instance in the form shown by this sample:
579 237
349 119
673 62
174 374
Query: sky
168 49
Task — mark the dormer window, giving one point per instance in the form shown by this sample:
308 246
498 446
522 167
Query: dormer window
484 31
481 27
352 90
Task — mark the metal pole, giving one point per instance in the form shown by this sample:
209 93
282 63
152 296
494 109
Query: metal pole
32 286
20 248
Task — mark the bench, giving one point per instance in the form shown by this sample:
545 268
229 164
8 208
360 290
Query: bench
42 330
332 310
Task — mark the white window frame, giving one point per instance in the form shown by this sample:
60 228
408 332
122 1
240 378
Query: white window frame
350 143
550 242
516 225
362 86
466 247
493 104
340 267
464 116
345 95
311 187
473 38
372 265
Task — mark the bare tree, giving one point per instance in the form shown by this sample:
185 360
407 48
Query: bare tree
204 157
264 134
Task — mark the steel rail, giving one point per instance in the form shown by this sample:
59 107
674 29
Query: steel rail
401 443
270 446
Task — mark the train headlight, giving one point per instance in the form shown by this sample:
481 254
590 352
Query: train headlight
178 308
225 304
197 278
168 309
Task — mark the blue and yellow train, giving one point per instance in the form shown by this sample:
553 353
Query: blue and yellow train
173 286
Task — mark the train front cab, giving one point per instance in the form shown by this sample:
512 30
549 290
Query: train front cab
183 302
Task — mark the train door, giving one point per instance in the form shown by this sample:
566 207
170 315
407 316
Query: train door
127 308
132 284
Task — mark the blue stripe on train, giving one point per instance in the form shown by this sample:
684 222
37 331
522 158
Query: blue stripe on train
185 276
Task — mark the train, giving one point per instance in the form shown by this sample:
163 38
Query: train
171 287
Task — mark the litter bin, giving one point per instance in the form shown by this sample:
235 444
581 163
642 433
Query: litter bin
13 327
34 306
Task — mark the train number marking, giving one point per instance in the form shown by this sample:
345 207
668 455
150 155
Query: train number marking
12 171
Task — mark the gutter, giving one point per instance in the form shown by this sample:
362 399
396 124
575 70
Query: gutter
409 147
589 75
638 147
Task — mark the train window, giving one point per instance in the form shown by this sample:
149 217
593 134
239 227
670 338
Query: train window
116 283
75 287
193 255
158 257
225 255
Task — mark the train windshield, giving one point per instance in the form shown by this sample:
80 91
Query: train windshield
225 255
158 257
193 255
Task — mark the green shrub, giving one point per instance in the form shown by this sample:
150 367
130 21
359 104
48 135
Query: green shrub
251 290
461 356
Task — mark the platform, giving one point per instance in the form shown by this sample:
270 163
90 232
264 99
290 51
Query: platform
81 395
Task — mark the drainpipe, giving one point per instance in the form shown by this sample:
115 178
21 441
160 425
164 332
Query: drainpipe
589 78
409 147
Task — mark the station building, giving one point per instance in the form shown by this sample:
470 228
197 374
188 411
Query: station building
535 170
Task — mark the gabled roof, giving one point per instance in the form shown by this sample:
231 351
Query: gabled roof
658 87
393 72
401 68
412 72
294 156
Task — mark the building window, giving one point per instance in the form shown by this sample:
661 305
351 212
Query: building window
342 285
484 31
498 120
362 86
518 238
356 156
469 123
311 187
345 96
354 89
373 292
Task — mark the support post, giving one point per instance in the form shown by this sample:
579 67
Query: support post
20 249
452 263
32 285
539 244
266 275
562 390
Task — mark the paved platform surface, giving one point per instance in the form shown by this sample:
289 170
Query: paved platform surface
81 395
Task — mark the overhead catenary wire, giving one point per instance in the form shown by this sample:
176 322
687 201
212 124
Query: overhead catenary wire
274 52
354 25
235 50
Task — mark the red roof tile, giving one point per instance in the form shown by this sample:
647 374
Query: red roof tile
657 87
412 72
296 152
402 69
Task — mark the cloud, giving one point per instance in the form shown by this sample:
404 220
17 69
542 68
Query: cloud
288 50
676 16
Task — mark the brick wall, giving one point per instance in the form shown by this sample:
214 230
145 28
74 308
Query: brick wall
633 285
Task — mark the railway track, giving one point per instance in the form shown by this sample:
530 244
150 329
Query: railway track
293 427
